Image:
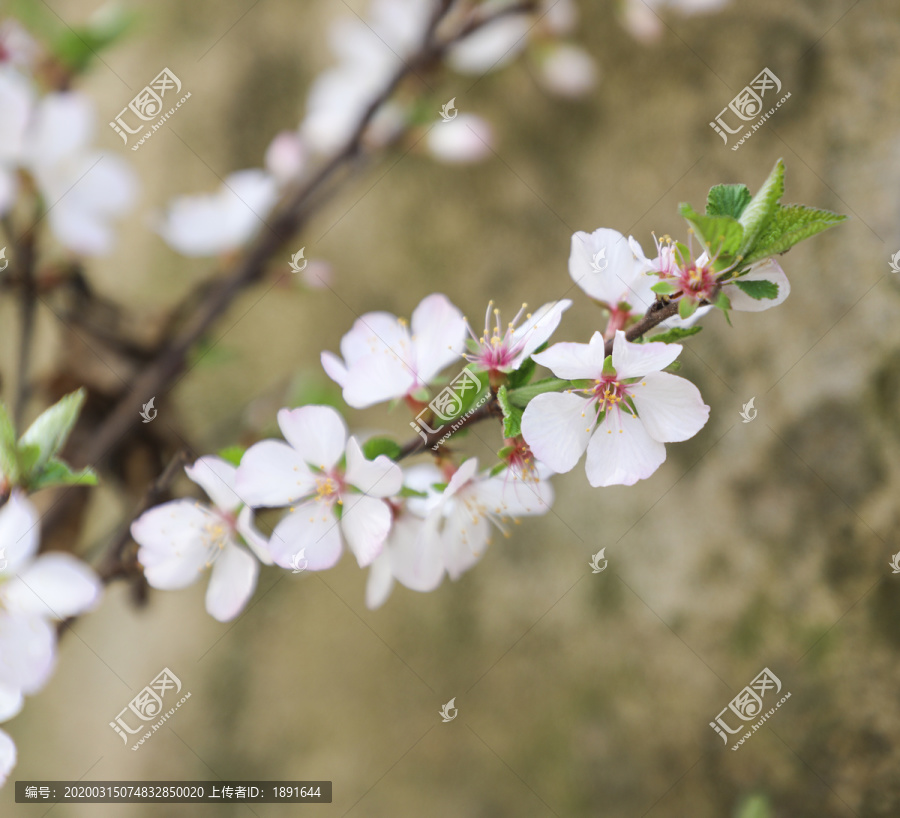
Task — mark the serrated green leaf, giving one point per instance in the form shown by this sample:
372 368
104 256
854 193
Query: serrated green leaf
759 211
722 235
375 446
758 290
727 200
51 430
521 397
676 334
791 224
57 473
512 415
9 462
232 454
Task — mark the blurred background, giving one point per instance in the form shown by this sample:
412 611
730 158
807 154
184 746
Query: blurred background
763 544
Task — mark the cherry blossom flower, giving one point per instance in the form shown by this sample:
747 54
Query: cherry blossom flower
500 354
49 139
334 492
383 360
181 539
34 591
7 757
465 138
567 70
641 17
623 419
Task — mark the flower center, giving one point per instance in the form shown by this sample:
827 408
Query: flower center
217 533
497 348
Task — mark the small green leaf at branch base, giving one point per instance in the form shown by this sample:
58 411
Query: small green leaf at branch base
512 415
665 288
687 307
51 430
232 454
521 397
375 446
758 290
406 491
722 235
57 473
676 334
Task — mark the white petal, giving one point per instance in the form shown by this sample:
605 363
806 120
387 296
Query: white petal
19 532
415 554
273 474
557 429
7 757
568 70
377 378
285 156
216 477
571 361
258 544
438 335
366 522
54 586
632 360
380 477
465 539
767 270
335 369
511 496
231 584
380 581
318 433
171 540
621 452
466 138
27 652
9 188
671 408
490 47
16 100
309 528
537 329
376 332
63 126
621 276
11 701
461 477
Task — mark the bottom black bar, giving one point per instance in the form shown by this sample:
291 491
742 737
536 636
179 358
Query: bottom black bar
173 792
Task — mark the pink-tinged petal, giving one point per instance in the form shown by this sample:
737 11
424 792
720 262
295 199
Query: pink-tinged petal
571 361
312 527
634 360
216 477
380 477
619 275
670 407
415 554
335 369
171 540
557 427
511 496
258 544
460 478
19 532
537 329
621 452
438 335
767 270
379 377
465 139
11 701
365 523
380 582
465 538
318 433
273 474
54 586
27 652
231 584
7 757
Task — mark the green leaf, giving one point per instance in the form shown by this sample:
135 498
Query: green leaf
687 307
9 461
791 224
754 806
758 290
375 446
51 430
232 454
76 47
497 469
759 211
57 473
512 415
521 397
608 369
665 288
722 235
727 200
676 334
524 373
406 491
